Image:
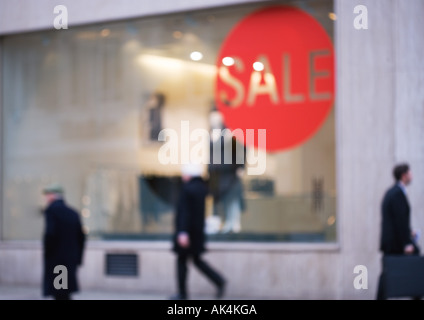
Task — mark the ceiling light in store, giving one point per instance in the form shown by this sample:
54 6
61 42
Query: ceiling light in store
258 66
196 56
86 35
177 34
228 61
331 220
105 32
332 16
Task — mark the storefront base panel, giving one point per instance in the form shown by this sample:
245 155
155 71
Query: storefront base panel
253 271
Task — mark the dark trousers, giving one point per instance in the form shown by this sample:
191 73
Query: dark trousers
200 264
381 290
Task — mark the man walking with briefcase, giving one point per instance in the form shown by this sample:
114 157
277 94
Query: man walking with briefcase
397 239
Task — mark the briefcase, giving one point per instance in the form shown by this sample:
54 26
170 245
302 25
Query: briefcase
404 276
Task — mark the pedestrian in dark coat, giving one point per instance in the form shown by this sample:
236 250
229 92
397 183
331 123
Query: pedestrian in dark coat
63 245
189 237
397 237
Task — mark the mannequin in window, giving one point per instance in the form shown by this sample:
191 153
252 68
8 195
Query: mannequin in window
225 179
152 123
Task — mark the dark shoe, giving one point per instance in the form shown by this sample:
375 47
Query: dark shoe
221 290
178 297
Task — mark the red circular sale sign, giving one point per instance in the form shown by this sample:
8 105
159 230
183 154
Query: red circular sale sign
276 72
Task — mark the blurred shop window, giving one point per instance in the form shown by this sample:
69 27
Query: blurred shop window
85 107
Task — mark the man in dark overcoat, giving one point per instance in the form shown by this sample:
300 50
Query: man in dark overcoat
63 246
189 236
397 237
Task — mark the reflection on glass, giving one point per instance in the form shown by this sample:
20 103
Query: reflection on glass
86 108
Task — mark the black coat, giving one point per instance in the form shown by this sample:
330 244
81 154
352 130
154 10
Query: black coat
63 244
190 216
395 225
223 176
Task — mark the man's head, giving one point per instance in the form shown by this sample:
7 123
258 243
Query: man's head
402 173
53 192
191 170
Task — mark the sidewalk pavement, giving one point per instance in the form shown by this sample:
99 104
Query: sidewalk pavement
19 292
